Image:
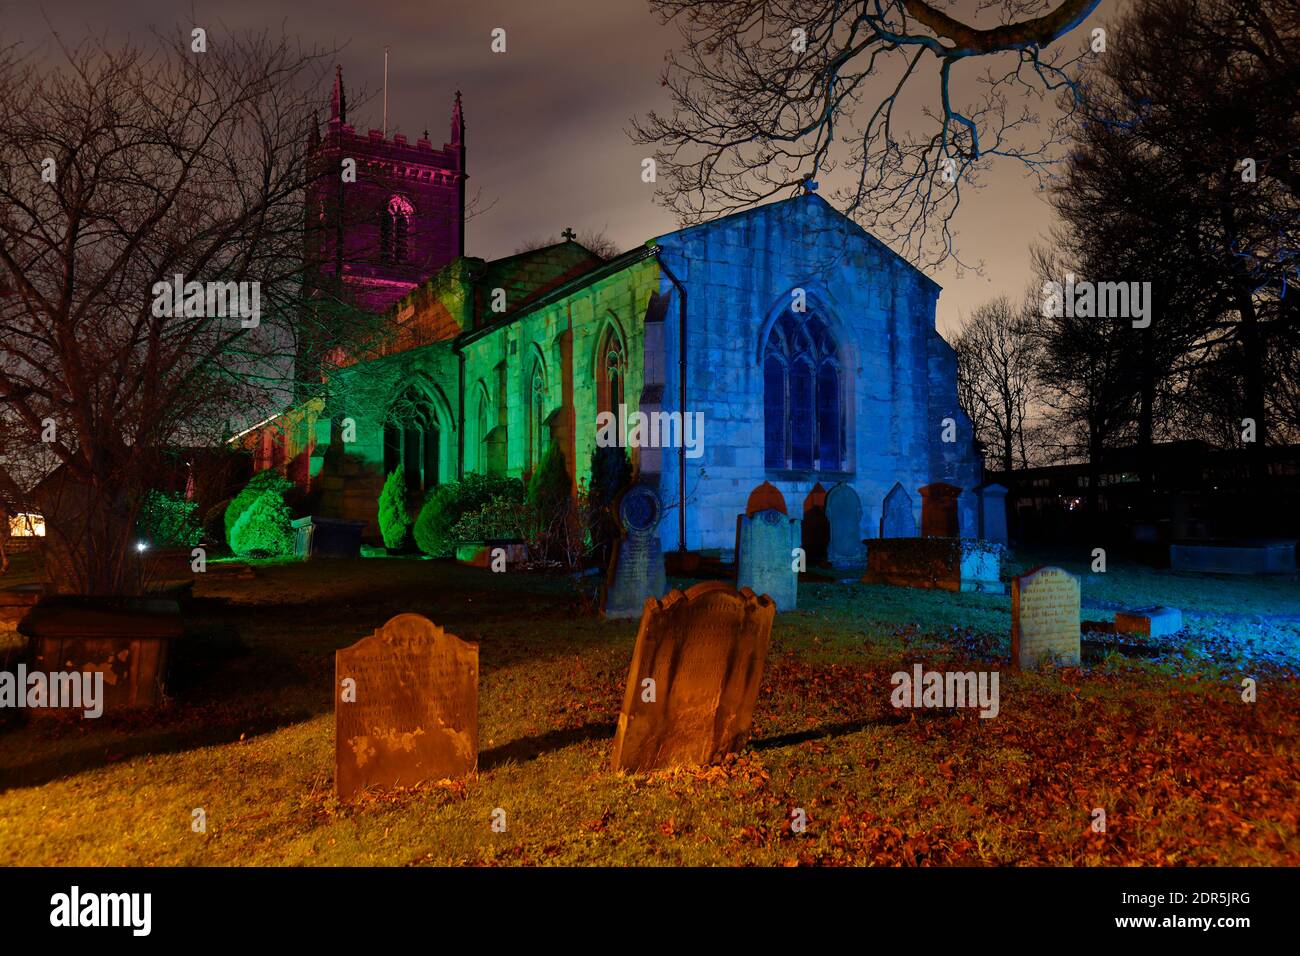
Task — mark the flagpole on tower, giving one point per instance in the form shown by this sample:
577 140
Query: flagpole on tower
385 92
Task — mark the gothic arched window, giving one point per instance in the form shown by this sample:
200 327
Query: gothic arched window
611 369
413 440
537 432
483 426
394 230
803 399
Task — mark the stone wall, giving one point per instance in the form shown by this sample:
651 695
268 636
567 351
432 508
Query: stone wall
739 273
562 339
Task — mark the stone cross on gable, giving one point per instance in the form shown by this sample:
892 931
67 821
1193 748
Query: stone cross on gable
568 234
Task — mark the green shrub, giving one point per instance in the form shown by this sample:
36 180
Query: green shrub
263 481
550 502
167 520
214 524
263 530
394 519
447 504
550 490
500 518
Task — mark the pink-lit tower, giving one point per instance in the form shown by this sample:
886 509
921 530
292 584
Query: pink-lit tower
403 218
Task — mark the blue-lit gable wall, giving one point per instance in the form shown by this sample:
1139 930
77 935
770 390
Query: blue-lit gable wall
899 376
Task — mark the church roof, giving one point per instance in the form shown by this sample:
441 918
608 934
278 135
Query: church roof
814 205
579 279
538 277
529 275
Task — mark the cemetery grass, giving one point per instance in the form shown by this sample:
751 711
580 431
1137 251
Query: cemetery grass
1186 772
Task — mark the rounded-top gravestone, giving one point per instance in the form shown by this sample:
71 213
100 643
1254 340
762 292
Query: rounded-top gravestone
816 529
766 497
844 512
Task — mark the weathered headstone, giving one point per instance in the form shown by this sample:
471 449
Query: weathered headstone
765 543
128 640
16 602
939 510
406 707
636 571
897 519
694 677
844 512
993 513
815 534
766 497
1045 618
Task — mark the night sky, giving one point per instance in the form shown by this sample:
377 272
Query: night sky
547 121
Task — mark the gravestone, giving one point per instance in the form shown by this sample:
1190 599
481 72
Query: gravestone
1154 621
766 497
939 510
414 715
128 640
1045 618
815 533
319 537
993 513
1235 557
844 512
15 602
764 556
694 677
897 519
636 571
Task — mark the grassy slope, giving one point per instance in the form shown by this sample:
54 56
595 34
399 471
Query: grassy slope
1186 772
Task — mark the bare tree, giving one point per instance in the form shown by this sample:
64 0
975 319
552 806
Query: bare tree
1184 175
121 168
1088 394
768 94
995 376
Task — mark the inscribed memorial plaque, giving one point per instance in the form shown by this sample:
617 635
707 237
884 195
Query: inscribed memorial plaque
765 544
636 571
1045 618
413 712
694 677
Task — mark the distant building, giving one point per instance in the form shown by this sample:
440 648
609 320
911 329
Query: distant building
1197 491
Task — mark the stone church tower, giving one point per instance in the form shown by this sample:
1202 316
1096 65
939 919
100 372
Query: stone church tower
402 219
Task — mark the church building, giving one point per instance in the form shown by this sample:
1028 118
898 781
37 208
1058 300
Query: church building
804 348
